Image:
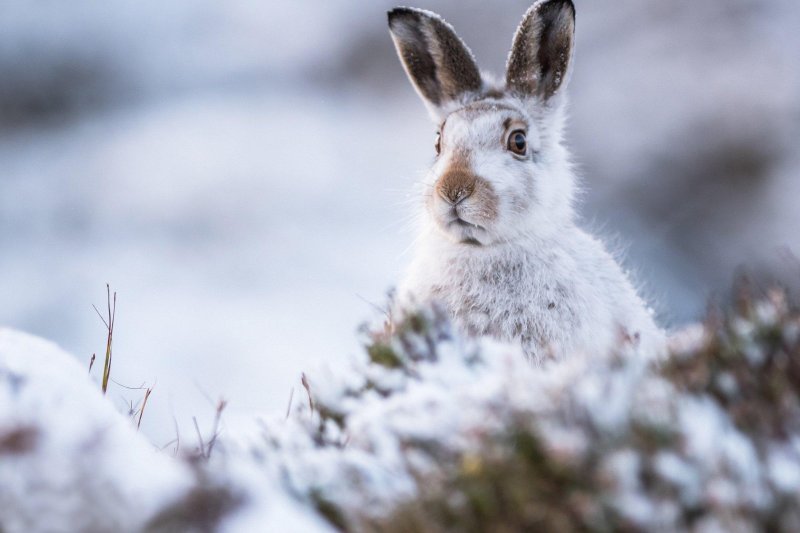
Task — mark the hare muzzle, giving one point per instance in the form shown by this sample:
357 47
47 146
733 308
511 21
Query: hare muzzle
465 204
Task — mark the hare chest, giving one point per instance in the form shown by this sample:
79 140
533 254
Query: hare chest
544 299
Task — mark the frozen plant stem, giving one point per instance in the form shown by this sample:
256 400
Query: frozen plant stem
217 418
200 441
144 404
112 311
206 447
307 386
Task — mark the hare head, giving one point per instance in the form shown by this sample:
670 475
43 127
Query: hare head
501 171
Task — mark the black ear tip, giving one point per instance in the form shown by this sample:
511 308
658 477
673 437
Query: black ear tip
557 5
401 14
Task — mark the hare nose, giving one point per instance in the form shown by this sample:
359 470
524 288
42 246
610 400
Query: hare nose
455 197
456 186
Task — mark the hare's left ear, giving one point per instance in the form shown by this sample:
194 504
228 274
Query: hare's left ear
438 63
541 57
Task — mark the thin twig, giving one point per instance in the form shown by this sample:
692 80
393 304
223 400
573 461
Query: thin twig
381 310
304 381
101 316
177 436
132 408
199 437
144 404
140 387
164 447
217 417
112 311
289 406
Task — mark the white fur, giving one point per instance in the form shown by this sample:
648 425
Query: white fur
556 296
528 274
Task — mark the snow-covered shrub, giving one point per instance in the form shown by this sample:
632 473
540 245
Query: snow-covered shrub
431 432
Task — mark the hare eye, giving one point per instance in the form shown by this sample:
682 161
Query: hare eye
517 142
438 143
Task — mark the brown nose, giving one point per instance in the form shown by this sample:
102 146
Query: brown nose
456 185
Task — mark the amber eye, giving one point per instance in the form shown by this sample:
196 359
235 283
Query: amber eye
517 142
438 144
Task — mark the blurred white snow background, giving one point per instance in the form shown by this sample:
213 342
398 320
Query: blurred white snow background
241 173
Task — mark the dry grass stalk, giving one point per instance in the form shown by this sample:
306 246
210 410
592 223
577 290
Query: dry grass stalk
206 447
109 323
144 404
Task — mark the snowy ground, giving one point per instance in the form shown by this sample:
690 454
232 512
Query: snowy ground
71 462
431 431
241 175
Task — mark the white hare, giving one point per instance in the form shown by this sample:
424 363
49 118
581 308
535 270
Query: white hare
499 247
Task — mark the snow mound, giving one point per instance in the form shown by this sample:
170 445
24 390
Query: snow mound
70 462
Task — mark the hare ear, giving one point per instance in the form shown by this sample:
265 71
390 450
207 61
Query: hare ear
438 63
541 56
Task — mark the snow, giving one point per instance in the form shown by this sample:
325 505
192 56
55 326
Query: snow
267 506
241 175
221 172
784 467
375 431
682 474
85 465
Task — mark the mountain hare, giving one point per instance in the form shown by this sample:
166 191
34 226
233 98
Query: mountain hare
500 249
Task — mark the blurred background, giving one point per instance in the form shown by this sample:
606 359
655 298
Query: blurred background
242 173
